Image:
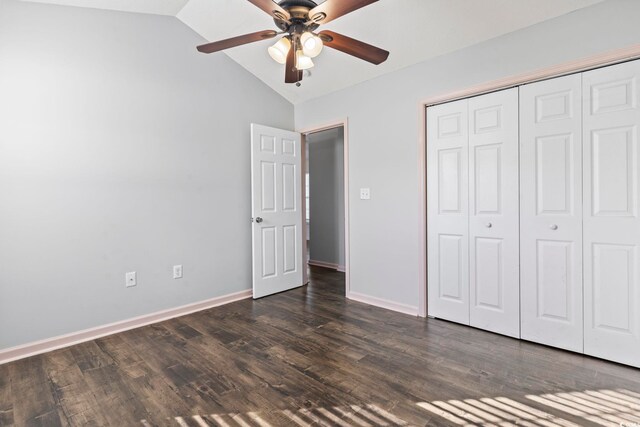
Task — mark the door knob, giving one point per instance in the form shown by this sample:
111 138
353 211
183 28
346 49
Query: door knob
554 227
258 220
489 225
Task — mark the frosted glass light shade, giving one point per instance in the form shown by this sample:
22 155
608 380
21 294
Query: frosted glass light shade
303 62
280 50
311 44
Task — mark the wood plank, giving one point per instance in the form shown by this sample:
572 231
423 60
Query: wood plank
6 397
75 401
33 397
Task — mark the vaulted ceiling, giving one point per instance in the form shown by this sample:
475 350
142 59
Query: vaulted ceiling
412 30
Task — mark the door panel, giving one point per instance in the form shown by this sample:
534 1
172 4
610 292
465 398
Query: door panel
290 248
555 266
554 173
493 221
451 277
488 273
488 176
276 200
269 251
614 273
613 167
447 212
611 222
551 212
450 181
268 186
289 187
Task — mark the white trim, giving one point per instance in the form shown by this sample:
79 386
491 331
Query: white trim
50 344
344 123
330 265
601 60
422 209
305 228
584 64
383 303
347 220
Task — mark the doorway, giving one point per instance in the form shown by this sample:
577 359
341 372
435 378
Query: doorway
325 198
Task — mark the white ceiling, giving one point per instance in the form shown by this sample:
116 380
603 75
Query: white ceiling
155 7
412 30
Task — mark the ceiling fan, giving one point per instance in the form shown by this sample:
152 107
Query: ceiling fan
298 20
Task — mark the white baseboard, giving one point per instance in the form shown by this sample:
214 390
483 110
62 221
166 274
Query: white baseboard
383 303
338 267
55 343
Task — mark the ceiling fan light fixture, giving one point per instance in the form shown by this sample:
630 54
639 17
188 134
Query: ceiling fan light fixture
303 62
311 44
279 51
297 21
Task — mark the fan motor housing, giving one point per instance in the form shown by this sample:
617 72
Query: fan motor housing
288 4
299 11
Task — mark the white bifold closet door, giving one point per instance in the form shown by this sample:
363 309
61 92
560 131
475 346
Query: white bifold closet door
551 212
448 211
494 275
472 210
611 115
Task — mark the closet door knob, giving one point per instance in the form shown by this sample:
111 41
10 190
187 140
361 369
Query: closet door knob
258 220
489 225
553 227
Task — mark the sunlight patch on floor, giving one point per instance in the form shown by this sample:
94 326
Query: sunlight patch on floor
611 408
346 416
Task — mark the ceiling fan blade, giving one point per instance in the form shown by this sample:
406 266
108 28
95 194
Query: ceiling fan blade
236 41
333 9
354 47
272 8
291 73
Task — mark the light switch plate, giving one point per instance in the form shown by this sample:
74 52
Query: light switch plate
131 279
365 194
177 272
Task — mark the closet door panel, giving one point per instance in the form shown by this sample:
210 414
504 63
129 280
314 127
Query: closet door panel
493 212
551 212
447 212
611 223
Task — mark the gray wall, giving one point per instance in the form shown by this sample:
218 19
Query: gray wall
121 149
384 128
326 192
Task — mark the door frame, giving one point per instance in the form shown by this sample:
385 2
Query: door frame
577 66
344 124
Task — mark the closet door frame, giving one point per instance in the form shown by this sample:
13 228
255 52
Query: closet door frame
580 65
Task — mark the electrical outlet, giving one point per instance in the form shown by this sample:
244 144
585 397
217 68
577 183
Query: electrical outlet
130 279
365 194
177 272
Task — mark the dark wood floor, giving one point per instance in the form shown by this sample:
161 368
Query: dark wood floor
310 357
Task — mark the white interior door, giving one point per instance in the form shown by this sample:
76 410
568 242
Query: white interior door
447 212
611 223
276 203
494 275
551 212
